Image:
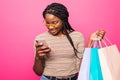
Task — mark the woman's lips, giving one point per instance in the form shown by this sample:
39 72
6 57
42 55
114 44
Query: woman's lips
52 31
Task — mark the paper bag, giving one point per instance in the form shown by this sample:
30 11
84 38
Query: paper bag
95 68
85 65
110 62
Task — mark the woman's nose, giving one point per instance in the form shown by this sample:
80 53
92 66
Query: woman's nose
51 27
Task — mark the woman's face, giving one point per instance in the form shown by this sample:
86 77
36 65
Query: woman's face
54 24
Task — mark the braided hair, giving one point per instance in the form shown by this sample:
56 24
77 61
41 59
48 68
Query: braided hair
61 12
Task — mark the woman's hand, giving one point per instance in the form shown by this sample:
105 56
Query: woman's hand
42 50
98 35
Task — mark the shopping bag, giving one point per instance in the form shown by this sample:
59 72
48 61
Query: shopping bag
85 65
110 61
95 68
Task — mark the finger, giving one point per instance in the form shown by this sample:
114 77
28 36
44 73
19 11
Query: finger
38 48
44 47
101 33
41 48
97 33
41 55
47 50
44 51
38 45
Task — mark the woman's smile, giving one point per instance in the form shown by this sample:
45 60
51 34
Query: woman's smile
52 31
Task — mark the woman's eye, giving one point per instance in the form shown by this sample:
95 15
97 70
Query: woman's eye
55 22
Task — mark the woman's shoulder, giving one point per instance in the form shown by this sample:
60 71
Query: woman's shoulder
76 33
42 35
77 36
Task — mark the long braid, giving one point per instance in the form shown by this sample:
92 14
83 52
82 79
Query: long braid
68 36
61 12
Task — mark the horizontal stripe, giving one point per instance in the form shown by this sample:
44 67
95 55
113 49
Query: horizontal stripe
62 60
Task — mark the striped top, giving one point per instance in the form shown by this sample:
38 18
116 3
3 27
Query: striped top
62 60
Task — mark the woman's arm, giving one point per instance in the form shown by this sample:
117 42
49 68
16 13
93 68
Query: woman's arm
39 61
38 66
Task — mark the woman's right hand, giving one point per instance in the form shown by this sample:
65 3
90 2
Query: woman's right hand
42 50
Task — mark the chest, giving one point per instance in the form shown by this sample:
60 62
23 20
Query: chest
60 47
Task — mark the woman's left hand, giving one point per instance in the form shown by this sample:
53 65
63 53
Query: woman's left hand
98 35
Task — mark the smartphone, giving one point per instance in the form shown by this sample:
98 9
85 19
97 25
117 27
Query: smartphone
41 41
43 44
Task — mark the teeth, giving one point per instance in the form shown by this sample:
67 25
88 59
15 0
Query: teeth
52 30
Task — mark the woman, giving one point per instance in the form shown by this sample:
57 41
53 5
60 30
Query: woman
60 57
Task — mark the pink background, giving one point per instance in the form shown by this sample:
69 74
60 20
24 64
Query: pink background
21 21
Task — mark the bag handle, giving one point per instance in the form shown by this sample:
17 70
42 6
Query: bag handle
104 42
95 43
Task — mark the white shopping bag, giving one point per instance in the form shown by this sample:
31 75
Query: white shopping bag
85 65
